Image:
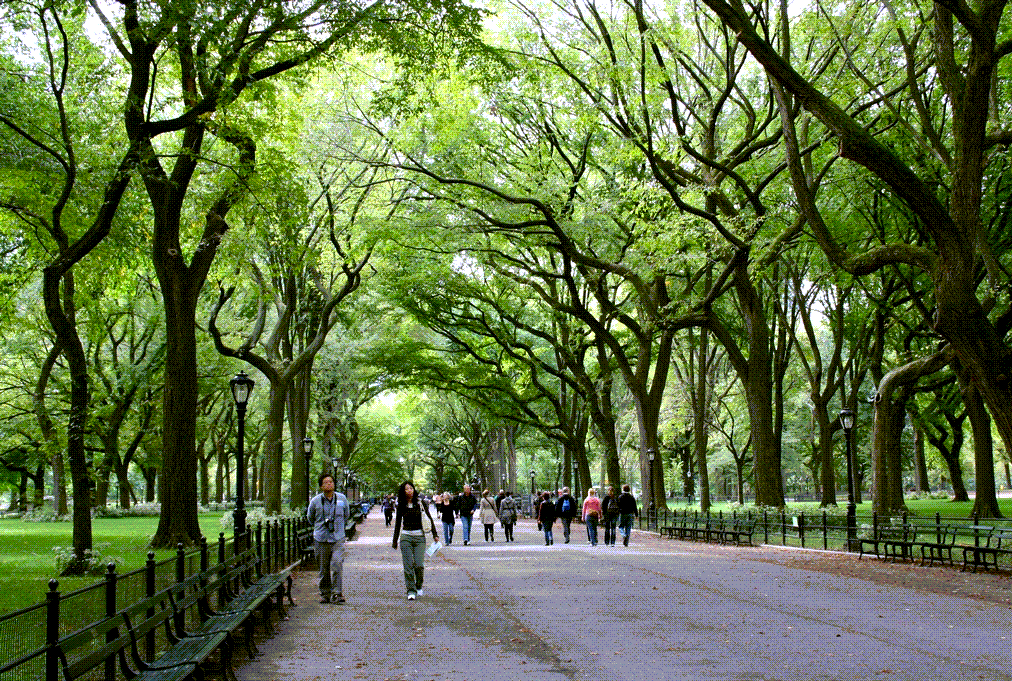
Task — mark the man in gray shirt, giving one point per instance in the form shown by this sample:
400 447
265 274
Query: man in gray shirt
328 512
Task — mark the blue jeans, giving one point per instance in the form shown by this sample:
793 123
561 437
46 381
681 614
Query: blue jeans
413 556
609 531
465 525
625 524
592 530
448 532
549 539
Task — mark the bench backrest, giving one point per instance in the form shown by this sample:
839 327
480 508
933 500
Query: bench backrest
87 648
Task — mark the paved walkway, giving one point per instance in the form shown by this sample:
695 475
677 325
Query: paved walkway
656 610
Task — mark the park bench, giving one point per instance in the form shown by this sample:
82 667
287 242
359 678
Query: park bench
988 547
939 545
739 531
885 539
304 543
708 528
186 648
106 642
899 542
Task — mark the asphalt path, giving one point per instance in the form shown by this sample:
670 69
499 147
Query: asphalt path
658 609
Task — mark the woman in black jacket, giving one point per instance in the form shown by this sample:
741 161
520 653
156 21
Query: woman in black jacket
408 528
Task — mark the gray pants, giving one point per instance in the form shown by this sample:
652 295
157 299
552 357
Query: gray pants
330 556
413 555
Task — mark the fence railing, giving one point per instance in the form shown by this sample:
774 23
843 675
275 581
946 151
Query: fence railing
27 634
821 530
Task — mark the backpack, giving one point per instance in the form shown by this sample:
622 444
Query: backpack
565 505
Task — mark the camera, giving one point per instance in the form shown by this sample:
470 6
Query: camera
329 524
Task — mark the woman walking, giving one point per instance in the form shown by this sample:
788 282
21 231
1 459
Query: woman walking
486 511
445 508
546 517
409 516
591 514
508 515
609 508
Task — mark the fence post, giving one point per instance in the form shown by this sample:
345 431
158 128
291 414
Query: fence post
180 563
766 526
825 533
52 631
783 527
260 547
110 611
801 528
149 591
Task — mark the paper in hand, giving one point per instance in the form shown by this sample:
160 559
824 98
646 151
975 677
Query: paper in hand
433 548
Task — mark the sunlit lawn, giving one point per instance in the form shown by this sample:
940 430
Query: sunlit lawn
27 561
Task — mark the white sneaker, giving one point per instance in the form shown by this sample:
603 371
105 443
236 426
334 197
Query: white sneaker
411 596
420 592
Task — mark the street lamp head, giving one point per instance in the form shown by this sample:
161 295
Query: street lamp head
242 387
307 446
847 418
651 453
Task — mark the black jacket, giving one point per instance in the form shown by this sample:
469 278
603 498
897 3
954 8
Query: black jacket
546 513
627 504
466 504
573 507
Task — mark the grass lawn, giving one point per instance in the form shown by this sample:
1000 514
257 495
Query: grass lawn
27 561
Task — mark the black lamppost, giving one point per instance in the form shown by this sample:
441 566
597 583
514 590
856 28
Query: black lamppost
576 479
652 508
307 449
847 421
347 480
503 481
533 491
242 388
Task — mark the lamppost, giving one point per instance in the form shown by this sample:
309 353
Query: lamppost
847 421
503 480
576 479
347 480
652 508
533 491
242 388
307 449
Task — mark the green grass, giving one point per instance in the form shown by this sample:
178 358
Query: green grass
27 561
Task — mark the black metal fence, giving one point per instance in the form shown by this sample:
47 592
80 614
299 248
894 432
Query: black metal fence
821 530
27 635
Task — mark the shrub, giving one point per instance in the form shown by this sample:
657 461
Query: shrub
95 560
45 514
258 514
135 511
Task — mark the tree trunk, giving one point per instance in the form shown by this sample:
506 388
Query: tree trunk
920 463
700 412
178 522
985 503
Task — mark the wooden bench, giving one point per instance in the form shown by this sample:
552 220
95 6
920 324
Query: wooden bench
900 542
739 531
939 545
106 642
986 554
186 647
883 537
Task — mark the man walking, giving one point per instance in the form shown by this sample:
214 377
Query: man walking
328 512
565 508
466 504
627 509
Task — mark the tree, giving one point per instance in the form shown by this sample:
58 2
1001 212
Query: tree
952 119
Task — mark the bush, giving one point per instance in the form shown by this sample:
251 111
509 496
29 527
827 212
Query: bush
258 514
135 511
95 560
45 514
